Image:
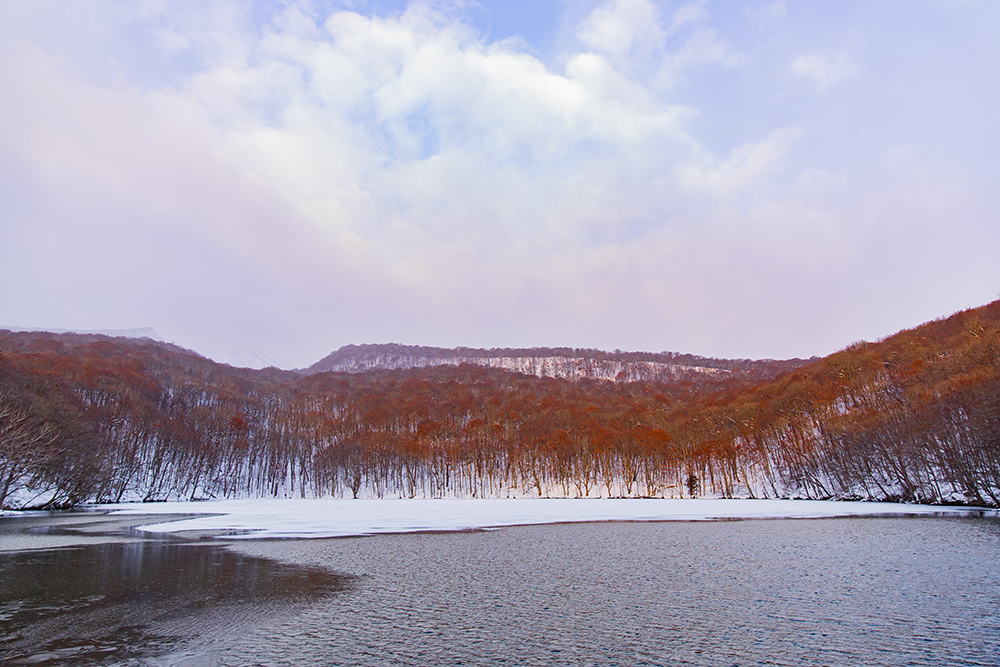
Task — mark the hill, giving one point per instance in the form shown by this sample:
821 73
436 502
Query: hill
915 417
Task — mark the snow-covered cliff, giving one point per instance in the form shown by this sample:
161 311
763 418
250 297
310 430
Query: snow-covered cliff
563 363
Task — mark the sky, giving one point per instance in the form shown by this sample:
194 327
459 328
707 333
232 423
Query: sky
264 182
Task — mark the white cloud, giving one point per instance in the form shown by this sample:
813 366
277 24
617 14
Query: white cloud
639 42
744 168
404 127
690 14
347 178
702 47
826 71
398 161
622 27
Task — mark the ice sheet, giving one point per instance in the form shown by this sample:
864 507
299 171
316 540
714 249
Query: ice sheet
337 517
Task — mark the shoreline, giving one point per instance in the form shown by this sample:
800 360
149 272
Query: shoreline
40 530
320 518
336 517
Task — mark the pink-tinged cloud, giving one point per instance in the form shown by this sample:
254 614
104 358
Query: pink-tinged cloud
294 183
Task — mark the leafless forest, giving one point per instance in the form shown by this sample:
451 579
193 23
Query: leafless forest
914 417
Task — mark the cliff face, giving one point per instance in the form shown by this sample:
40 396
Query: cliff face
561 363
564 368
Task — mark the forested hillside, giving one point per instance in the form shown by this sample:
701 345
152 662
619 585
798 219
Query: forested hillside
913 417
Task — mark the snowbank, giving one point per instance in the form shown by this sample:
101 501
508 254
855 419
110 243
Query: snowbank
337 517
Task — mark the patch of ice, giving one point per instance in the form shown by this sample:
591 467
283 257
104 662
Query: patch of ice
339 517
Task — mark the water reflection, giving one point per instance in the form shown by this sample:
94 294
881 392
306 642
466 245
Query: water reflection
87 604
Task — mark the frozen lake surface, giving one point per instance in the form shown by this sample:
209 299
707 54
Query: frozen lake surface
887 590
337 517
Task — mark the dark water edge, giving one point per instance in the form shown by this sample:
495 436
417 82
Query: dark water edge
132 602
848 591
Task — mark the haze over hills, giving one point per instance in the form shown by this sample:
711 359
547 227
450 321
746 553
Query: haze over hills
563 363
560 362
139 332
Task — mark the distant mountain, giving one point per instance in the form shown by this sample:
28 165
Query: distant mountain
243 359
561 362
141 332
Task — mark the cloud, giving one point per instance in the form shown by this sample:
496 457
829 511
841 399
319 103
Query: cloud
642 43
702 48
826 71
402 129
312 180
690 14
351 160
386 177
745 167
622 26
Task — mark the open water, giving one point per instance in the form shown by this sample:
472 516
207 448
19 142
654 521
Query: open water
853 591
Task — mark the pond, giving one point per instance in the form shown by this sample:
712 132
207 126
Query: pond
846 591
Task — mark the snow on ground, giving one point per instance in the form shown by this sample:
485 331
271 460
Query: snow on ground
338 517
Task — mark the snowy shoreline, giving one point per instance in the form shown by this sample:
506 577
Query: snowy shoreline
336 517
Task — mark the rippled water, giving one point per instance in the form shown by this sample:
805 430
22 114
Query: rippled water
128 601
859 591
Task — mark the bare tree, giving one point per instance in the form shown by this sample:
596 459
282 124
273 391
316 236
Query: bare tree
26 449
